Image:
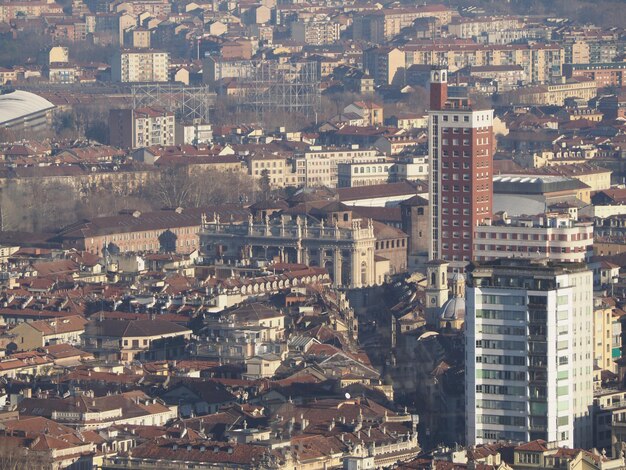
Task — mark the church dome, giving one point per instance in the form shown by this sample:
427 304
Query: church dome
453 309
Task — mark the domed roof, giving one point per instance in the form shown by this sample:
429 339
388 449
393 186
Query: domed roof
453 309
19 104
456 277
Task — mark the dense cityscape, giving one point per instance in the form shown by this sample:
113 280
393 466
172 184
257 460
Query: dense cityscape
312 234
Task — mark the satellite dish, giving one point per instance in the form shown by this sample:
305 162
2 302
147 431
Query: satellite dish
347 396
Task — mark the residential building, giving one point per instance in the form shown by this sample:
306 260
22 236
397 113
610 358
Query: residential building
141 127
88 413
194 133
529 354
372 113
605 75
317 166
609 406
385 64
317 31
135 340
38 334
552 455
475 26
363 173
508 77
140 65
607 335
556 94
278 169
461 145
541 61
383 25
409 121
552 235
409 168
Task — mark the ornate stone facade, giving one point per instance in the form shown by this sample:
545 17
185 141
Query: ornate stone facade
345 249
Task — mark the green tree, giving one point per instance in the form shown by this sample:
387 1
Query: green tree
265 184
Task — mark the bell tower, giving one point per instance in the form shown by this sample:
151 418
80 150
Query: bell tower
436 290
438 88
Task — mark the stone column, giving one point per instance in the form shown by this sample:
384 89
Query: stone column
356 268
337 267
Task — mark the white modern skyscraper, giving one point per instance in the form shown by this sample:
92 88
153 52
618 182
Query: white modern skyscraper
529 352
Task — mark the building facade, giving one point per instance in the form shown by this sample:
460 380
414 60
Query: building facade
140 65
346 250
461 143
319 166
555 236
316 31
142 127
529 354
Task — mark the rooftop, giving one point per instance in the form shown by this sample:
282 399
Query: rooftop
19 104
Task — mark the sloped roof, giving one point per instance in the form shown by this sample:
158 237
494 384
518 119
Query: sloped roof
137 328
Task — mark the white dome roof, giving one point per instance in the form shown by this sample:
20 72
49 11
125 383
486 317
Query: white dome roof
18 104
453 309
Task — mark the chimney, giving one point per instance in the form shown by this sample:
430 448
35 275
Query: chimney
438 88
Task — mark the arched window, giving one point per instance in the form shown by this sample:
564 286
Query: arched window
433 279
443 279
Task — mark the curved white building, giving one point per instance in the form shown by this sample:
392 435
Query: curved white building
21 110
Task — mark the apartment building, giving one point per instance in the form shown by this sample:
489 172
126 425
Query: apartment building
363 173
382 170
316 31
140 65
135 340
556 94
472 27
556 236
529 354
372 113
278 168
508 77
385 64
319 165
607 335
409 168
461 144
11 10
41 333
382 25
142 127
541 61
608 74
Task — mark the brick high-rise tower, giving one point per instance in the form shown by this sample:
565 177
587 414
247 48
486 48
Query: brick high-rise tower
461 144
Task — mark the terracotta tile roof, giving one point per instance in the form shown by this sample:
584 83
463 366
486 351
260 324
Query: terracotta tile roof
199 451
134 328
59 326
533 446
